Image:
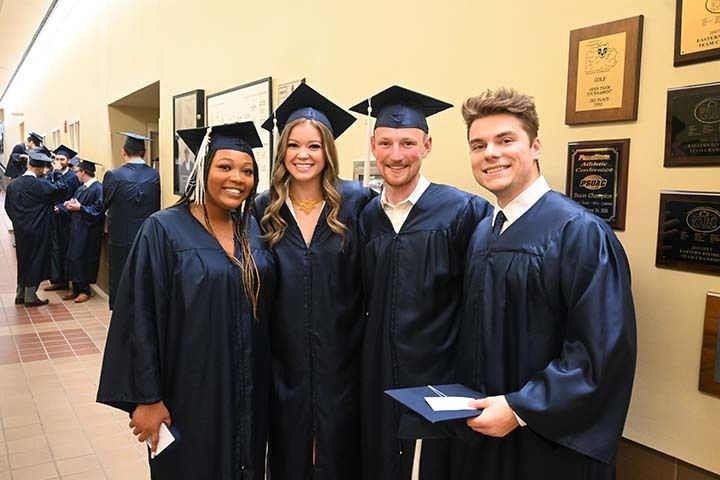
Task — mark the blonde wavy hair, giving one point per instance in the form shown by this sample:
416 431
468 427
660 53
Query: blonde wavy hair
272 223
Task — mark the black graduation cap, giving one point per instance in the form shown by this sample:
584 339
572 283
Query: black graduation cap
65 151
45 151
19 149
398 107
414 399
36 137
38 158
305 102
87 165
240 136
134 141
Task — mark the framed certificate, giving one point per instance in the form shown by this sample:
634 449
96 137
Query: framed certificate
692 127
604 72
188 112
689 232
251 101
710 355
597 178
697 31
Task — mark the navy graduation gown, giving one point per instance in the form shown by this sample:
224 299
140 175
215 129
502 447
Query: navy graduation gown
29 204
86 233
61 231
131 194
16 165
413 280
316 333
183 332
549 322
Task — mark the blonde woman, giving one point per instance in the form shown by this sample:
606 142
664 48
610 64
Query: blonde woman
309 218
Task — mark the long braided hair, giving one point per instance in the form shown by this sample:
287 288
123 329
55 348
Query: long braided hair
195 193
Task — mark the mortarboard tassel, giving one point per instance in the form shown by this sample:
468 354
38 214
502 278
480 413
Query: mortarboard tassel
366 165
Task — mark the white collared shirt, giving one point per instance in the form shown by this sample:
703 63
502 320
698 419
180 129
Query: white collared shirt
398 213
90 182
523 202
135 160
29 173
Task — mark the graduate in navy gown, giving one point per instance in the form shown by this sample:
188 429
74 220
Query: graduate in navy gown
87 222
29 204
17 162
61 222
548 328
187 343
416 233
131 194
310 218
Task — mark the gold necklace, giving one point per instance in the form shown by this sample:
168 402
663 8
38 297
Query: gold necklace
306 206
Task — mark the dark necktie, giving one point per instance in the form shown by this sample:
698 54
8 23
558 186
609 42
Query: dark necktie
497 226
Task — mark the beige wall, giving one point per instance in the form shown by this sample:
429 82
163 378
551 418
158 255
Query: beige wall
350 51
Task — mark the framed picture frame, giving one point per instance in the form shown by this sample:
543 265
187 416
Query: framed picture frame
188 112
692 126
697 31
710 354
604 72
688 237
251 101
597 178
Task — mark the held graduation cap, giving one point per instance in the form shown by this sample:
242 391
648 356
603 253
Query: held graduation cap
38 158
239 136
305 102
398 107
66 152
75 161
134 142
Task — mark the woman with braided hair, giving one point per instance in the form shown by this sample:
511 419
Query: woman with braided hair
187 344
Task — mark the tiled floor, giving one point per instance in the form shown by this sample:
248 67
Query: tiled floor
50 425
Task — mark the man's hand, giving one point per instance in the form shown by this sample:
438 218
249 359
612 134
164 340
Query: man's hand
146 420
497 418
72 205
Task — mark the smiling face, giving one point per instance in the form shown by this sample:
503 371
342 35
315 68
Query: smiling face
305 156
230 179
398 154
503 158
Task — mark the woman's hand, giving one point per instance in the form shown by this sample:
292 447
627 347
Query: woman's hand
146 420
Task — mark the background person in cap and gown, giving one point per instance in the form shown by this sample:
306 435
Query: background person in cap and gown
17 162
548 329
131 194
417 233
187 343
309 217
30 200
86 232
61 221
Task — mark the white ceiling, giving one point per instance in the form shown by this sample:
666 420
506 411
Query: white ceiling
19 20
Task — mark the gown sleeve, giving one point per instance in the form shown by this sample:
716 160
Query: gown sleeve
580 399
92 210
132 371
109 187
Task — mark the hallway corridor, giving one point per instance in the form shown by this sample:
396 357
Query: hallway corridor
50 357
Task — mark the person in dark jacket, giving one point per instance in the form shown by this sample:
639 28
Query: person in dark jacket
29 204
131 194
17 162
86 232
60 230
310 217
